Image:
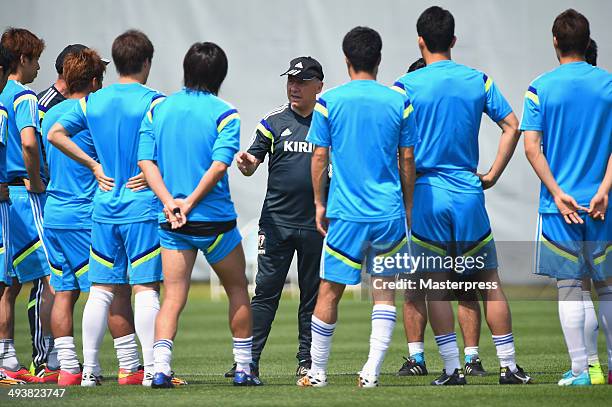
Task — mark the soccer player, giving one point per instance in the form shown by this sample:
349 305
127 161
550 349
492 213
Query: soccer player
287 222
67 219
449 216
415 312
190 179
568 141
125 245
365 125
27 179
5 263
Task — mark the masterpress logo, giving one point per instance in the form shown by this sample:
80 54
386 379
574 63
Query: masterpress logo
405 263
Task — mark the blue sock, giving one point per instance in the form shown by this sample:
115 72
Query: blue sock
419 357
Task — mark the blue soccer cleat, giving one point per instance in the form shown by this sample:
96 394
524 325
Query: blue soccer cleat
243 379
569 379
162 381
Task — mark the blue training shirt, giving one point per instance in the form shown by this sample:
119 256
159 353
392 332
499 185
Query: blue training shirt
72 186
22 111
185 134
449 100
3 135
113 116
364 123
572 107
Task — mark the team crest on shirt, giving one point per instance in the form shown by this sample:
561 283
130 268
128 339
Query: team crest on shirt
261 244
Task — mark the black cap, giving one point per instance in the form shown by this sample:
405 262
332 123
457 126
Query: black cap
305 68
70 49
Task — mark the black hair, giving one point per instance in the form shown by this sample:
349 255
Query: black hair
591 53
6 59
362 46
130 51
571 29
205 67
437 28
418 64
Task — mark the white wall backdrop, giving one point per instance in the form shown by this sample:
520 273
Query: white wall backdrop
510 40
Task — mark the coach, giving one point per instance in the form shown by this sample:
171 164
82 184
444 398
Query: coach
287 222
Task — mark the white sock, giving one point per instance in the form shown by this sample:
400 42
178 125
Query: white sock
605 315
591 328
449 351
571 315
162 353
470 352
414 348
321 344
504 344
8 356
95 319
66 354
242 354
383 322
127 352
146 307
52 362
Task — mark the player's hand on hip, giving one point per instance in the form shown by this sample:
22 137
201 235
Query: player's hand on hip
598 206
569 208
105 183
4 192
486 180
137 183
321 220
34 187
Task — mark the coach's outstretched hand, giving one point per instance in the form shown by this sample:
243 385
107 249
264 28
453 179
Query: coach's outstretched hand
569 208
105 183
247 163
321 219
137 183
599 205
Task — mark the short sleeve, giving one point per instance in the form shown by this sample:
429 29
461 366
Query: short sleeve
532 117
228 137
3 124
146 141
319 133
75 119
262 140
25 104
496 105
408 135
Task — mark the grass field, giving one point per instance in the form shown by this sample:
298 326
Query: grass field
203 352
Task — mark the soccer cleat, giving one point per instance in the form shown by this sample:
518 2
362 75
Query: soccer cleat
161 381
88 379
21 374
126 378
178 382
412 368
313 380
569 379
302 368
231 372
69 379
367 381
455 379
243 379
44 374
518 377
473 366
6 381
147 379
596 374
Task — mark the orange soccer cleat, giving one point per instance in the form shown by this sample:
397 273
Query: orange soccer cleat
68 379
131 378
21 374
